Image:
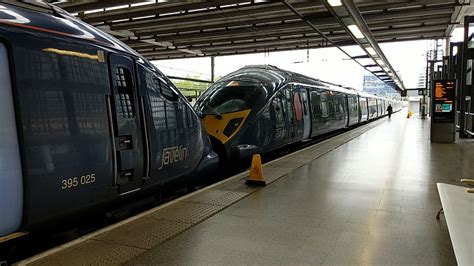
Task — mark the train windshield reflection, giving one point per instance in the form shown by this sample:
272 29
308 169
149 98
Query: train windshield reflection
233 96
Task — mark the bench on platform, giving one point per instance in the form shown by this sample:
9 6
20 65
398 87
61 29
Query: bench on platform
458 207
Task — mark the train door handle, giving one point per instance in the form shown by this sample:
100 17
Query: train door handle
125 142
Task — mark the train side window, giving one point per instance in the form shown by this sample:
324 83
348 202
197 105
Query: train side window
324 104
281 96
124 83
154 84
167 92
304 102
342 104
278 110
289 108
315 100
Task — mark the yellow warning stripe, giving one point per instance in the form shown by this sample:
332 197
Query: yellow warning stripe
215 127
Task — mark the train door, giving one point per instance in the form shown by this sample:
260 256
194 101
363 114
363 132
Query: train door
125 117
11 193
349 112
306 113
290 115
298 114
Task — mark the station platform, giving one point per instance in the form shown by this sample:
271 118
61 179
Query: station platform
367 196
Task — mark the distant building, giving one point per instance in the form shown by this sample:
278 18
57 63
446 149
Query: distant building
422 79
375 86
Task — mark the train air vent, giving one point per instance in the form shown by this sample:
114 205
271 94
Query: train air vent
123 79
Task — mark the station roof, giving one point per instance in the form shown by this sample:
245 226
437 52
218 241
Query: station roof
166 30
159 29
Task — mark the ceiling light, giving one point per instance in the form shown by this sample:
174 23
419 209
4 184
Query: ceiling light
334 2
356 31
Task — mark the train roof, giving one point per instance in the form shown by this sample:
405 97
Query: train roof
45 18
38 17
277 77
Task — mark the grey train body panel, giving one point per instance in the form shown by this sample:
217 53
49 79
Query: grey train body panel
11 180
100 126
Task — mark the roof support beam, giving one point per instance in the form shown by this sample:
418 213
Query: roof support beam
350 18
301 41
457 16
84 5
354 12
167 45
161 56
295 27
156 9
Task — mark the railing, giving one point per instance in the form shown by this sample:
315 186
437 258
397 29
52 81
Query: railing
469 118
190 87
456 120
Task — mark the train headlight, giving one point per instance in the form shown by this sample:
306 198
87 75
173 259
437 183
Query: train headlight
232 126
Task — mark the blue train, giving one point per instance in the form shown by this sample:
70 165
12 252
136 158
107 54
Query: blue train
258 109
86 121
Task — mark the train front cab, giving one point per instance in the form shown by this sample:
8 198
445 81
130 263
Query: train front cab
224 110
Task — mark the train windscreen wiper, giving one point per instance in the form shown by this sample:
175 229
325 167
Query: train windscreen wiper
216 113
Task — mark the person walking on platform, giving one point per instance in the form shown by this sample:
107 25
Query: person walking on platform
390 111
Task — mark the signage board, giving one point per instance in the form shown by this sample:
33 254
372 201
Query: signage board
443 101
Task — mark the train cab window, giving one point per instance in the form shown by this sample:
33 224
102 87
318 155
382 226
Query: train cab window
233 96
124 83
167 92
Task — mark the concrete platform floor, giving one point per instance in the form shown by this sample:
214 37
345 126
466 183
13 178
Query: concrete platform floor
371 201
366 197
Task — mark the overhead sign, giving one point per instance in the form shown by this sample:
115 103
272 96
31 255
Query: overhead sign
443 103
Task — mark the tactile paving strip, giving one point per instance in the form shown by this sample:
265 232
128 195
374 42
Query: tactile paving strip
92 252
239 186
144 233
187 212
218 197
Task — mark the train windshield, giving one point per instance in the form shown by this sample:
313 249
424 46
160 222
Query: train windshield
233 96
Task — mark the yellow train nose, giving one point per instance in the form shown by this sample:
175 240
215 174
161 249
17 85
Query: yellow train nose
225 127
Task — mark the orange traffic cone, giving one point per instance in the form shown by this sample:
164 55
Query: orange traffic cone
256 176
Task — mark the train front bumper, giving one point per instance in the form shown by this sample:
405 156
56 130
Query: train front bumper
244 151
208 165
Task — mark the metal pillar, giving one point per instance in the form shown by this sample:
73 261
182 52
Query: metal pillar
462 80
427 87
455 72
212 69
